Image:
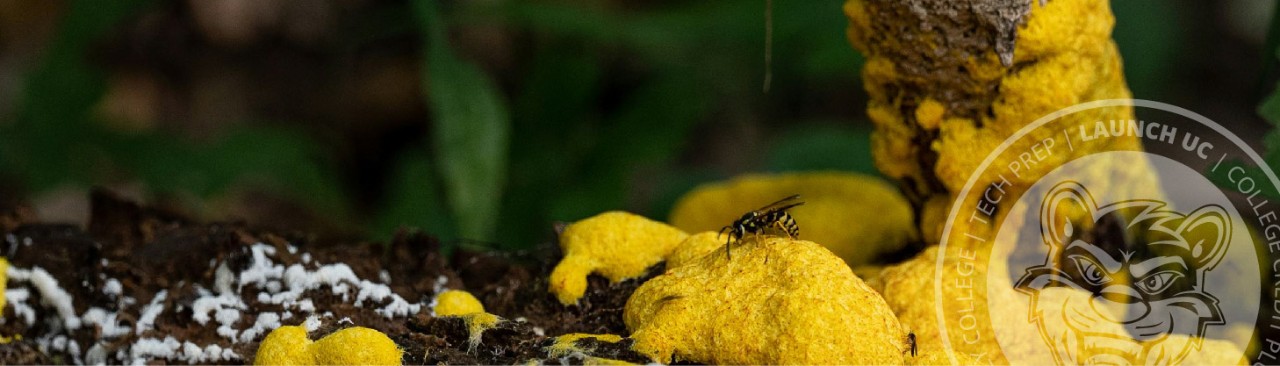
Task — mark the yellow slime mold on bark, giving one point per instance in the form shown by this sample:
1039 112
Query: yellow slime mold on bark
457 302
778 301
4 280
565 345
616 245
942 97
855 216
289 345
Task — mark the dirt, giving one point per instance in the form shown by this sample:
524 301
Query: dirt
148 251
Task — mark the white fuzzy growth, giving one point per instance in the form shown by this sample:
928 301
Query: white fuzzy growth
306 306
73 348
17 298
50 293
262 268
191 351
223 279
227 319
106 322
152 348
227 316
149 314
226 331
332 275
297 280
201 308
112 288
146 349
371 291
312 323
440 282
399 307
274 284
266 322
97 355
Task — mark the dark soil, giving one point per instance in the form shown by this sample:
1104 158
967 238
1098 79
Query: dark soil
149 251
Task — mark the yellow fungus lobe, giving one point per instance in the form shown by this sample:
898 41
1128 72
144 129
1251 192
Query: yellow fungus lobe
616 245
929 114
7 340
289 345
696 246
477 323
461 304
941 101
565 345
356 346
4 280
457 302
778 301
858 217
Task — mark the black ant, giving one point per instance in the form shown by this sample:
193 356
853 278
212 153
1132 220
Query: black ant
773 215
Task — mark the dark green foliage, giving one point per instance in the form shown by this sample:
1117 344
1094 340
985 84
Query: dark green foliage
606 109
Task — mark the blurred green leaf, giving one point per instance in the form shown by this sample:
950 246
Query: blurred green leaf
281 161
650 129
470 131
555 118
810 147
1270 49
1152 38
1270 108
45 145
415 200
675 184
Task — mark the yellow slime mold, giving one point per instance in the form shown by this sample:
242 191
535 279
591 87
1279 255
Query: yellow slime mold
457 302
696 246
289 345
855 216
4 283
778 301
4 280
616 245
943 97
565 345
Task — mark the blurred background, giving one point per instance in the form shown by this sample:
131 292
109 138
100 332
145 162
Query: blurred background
484 120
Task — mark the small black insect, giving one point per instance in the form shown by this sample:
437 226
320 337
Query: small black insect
911 340
771 216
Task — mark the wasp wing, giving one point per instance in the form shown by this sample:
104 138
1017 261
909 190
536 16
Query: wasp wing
782 204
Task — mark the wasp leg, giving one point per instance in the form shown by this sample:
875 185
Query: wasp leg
782 227
727 255
726 241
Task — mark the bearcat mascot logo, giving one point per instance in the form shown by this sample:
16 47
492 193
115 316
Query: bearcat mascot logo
1123 283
